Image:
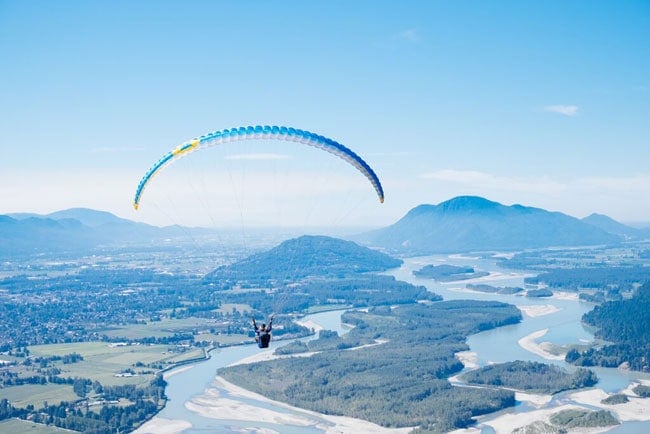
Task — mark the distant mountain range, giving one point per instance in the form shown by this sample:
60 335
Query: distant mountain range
460 224
470 223
76 229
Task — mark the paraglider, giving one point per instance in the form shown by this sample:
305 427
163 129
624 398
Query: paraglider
263 332
260 133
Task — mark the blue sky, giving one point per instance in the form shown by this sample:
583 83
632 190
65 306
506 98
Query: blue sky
545 104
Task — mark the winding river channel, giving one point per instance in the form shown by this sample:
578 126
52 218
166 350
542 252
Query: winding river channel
560 320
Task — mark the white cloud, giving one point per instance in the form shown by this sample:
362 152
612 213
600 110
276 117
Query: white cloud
636 184
258 156
410 35
115 149
324 197
200 198
482 180
620 197
566 110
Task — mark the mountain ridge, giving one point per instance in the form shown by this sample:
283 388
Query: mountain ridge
460 224
472 223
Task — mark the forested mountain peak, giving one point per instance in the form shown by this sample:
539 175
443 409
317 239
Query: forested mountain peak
304 256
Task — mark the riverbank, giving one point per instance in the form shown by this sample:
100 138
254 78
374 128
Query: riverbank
536 310
159 425
216 402
496 346
528 343
507 423
637 409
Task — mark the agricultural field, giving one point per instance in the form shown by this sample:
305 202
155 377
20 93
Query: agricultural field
19 426
159 329
37 395
228 308
107 363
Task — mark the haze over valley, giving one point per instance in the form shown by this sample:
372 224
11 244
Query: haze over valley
436 213
172 295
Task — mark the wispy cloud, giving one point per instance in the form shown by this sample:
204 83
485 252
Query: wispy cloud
638 184
566 110
115 149
391 154
484 180
634 184
259 156
410 35
619 197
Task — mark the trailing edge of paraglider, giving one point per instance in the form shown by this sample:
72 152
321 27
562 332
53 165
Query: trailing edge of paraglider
260 133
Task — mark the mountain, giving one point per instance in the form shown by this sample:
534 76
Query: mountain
471 223
75 230
32 234
89 217
460 224
613 227
86 216
302 257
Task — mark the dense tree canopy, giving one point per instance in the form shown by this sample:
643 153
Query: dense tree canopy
401 379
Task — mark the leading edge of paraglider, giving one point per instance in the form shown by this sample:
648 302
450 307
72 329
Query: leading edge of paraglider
265 132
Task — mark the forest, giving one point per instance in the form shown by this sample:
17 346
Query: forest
624 325
143 306
78 416
411 360
300 258
483 287
621 278
448 273
531 377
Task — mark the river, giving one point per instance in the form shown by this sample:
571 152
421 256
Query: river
189 383
563 326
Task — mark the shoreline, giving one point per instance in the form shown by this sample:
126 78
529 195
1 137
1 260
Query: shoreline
535 310
216 403
636 410
160 425
528 343
219 401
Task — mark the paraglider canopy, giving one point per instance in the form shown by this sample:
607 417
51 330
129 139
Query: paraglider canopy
260 133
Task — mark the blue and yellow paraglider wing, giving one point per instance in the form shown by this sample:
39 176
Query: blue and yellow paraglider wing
256 133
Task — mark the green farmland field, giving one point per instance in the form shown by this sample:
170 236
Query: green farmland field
104 362
158 329
18 426
36 394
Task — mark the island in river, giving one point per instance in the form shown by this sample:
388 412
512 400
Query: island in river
398 380
449 273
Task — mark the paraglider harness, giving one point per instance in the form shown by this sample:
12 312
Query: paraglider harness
263 333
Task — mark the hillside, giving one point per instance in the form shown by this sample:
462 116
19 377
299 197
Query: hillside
613 227
77 229
460 224
302 257
470 223
33 234
625 324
